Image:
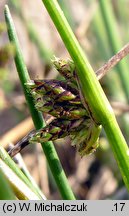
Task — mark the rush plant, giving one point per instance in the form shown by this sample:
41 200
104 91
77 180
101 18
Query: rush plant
77 103
93 94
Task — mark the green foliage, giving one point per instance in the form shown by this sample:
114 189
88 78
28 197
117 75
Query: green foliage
5 191
91 89
48 147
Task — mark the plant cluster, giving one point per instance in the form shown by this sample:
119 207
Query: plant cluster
62 100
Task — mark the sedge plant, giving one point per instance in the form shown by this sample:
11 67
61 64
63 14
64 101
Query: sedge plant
48 147
93 94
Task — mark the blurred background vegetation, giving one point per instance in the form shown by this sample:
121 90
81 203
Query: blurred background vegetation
95 176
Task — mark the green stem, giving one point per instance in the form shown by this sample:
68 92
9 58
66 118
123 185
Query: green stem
91 89
21 190
115 43
6 158
6 192
25 171
48 147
